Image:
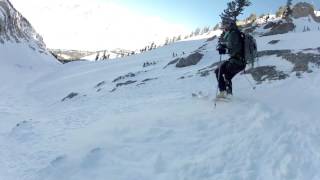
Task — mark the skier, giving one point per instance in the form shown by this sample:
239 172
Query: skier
231 42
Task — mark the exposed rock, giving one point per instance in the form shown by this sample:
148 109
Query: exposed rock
201 48
249 28
15 28
303 9
147 64
66 56
100 84
125 83
211 39
192 59
146 80
301 60
263 73
149 79
70 96
129 75
273 52
124 77
207 70
269 25
185 77
281 27
122 84
172 62
274 42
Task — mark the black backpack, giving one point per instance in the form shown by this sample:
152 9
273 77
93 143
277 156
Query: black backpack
250 50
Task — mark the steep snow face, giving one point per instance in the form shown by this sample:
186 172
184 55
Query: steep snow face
19 63
23 54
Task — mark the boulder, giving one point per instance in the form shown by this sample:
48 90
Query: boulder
192 59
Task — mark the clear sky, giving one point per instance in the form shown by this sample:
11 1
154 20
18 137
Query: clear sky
194 13
129 24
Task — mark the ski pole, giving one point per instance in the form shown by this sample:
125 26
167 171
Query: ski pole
215 101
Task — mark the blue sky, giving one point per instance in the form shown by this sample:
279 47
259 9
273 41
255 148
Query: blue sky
103 24
197 13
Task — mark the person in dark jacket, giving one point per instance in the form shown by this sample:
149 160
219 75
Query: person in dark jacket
230 43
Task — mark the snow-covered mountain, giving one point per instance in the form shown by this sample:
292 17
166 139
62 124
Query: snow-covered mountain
15 28
135 117
23 53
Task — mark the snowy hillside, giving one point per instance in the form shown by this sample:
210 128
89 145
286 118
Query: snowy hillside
15 28
135 117
23 54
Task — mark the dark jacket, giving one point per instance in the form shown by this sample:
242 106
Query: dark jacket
234 43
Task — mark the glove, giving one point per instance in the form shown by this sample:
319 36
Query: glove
222 49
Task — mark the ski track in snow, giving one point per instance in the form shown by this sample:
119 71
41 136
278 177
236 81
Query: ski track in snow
157 130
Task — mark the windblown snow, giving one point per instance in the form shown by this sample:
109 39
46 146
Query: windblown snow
122 120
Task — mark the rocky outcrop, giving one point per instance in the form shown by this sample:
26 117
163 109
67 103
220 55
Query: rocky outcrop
303 9
192 59
300 60
15 28
300 10
264 73
273 52
281 27
273 42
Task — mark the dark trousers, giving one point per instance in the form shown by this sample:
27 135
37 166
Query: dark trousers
227 71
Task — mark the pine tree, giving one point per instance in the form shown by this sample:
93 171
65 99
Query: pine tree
252 17
179 38
205 30
197 32
104 57
216 27
288 10
97 56
167 41
234 9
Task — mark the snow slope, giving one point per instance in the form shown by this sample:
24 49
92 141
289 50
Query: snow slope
135 118
154 129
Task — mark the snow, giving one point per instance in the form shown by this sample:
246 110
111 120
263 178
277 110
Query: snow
307 22
156 130
292 40
2 17
317 13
